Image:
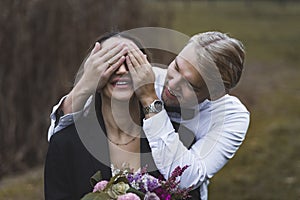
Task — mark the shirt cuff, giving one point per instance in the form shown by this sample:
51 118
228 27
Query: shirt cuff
64 120
158 126
55 108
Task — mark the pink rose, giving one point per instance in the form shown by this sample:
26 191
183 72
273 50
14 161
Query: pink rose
100 186
129 196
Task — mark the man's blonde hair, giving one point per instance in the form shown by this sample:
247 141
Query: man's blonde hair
224 53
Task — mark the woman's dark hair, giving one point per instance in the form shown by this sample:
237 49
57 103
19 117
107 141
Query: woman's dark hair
108 35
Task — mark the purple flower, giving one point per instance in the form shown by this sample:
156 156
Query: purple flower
162 194
129 196
152 183
130 178
153 188
178 171
100 186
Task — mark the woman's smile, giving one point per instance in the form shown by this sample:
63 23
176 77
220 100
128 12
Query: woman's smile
121 82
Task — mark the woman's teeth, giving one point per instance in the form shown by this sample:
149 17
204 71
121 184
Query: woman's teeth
121 83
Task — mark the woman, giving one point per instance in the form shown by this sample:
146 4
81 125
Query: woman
119 138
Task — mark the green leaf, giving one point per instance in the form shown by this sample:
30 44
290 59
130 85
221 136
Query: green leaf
122 179
96 178
112 181
137 192
96 196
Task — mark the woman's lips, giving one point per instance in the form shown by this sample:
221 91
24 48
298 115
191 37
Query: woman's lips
121 82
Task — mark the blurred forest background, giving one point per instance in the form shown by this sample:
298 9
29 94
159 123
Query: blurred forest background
43 44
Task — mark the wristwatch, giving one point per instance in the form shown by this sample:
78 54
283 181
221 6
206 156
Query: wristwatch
155 107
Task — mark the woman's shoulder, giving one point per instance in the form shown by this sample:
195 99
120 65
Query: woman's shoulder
65 136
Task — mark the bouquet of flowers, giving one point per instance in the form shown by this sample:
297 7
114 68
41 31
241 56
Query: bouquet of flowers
125 185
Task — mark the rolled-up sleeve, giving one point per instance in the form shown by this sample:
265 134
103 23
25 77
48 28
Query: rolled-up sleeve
65 120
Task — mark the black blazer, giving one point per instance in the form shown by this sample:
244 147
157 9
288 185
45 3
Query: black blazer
70 165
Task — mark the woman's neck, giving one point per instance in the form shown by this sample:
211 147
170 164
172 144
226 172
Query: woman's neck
121 118
122 122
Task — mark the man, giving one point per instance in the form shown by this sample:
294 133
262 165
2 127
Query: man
198 82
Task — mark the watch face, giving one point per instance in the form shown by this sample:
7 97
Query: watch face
158 105
154 107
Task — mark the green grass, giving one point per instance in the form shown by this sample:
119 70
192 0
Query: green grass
28 186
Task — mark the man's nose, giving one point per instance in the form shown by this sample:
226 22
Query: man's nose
175 82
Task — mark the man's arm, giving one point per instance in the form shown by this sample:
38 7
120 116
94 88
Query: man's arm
68 108
97 70
207 156
143 77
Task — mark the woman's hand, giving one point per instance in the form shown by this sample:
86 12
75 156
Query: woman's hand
142 75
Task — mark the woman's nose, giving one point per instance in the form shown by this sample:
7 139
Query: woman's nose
122 69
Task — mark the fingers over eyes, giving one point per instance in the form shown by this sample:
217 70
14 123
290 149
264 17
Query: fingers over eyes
108 52
116 57
110 70
138 54
130 66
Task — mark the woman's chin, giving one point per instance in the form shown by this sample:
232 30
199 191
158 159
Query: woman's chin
122 96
